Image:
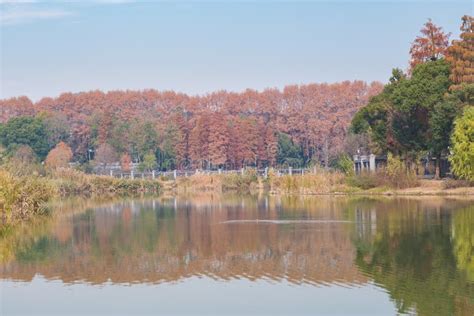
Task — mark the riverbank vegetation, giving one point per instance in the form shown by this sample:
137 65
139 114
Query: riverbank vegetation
22 197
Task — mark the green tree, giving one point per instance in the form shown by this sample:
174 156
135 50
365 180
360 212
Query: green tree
413 101
289 153
462 157
345 164
373 120
409 111
463 241
442 119
168 150
143 139
26 130
119 137
376 117
57 128
148 163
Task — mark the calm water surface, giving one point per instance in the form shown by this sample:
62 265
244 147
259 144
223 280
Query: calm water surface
225 254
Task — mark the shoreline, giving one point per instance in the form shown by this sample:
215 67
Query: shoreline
323 188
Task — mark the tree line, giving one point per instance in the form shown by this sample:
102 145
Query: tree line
296 126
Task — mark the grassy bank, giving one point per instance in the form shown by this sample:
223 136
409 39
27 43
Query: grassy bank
383 182
218 182
22 197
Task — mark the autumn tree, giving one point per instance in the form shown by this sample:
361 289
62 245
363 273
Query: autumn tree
126 162
59 156
218 140
199 143
461 54
14 107
105 155
430 45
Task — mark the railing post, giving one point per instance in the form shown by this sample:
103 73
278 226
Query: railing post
174 174
290 171
153 174
132 175
111 173
372 162
242 171
266 173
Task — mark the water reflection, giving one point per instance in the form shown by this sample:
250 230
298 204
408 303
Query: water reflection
421 251
423 256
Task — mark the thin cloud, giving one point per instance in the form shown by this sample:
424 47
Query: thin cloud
15 12
19 15
17 1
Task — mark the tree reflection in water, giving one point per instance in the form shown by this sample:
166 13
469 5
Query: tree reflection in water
419 250
422 256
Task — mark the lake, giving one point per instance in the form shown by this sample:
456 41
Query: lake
230 254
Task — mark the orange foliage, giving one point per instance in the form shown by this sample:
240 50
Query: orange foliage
126 162
431 45
461 54
59 156
235 129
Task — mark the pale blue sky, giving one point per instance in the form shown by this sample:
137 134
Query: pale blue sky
49 47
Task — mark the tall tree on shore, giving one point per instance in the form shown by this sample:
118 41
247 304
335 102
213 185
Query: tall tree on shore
430 45
218 140
413 102
199 143
461 54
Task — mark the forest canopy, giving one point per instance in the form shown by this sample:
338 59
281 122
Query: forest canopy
222 129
